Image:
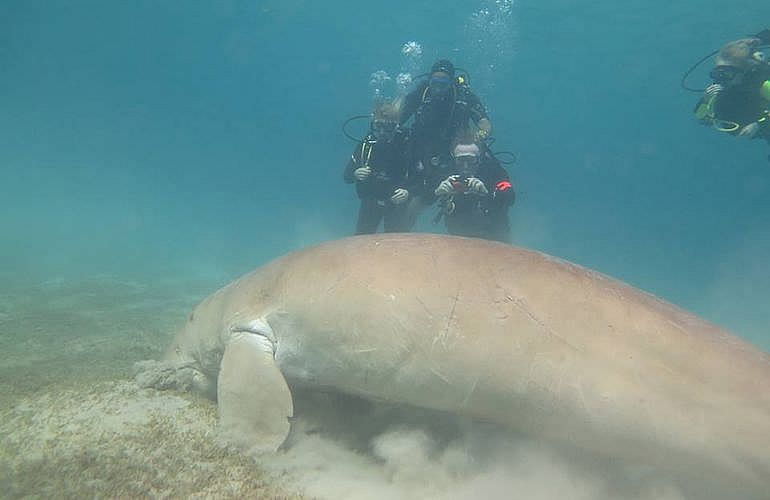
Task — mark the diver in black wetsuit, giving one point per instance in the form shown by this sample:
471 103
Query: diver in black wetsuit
443 108
379 168
476 196
738 102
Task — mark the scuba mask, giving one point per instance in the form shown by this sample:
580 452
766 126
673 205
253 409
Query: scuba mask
725 74
467 165
383 129
466 159
440 84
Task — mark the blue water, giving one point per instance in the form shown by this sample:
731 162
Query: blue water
149 138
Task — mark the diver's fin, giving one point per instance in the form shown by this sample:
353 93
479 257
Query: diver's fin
253 397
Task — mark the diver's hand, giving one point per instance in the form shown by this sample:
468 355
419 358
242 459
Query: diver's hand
363 173
749 131
475 186
446 187
485 129
400 195
713 89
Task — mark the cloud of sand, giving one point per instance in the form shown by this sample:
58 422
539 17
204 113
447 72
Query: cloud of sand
408 453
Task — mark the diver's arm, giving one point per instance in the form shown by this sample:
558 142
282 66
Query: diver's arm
479 116
352 165
411 181
400 170
347 176
485 127
749 131
704 108
764 90
497 181
758 128
502 191
410 178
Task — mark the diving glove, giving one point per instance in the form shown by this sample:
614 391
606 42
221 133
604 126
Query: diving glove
446 187
475 186
361 174
749 131
400 195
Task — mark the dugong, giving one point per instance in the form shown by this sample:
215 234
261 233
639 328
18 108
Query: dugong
487 330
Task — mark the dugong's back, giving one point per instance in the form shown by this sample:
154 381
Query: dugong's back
528 341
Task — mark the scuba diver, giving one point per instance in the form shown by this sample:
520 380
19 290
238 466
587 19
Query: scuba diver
378 167
738 102
475 198
443 107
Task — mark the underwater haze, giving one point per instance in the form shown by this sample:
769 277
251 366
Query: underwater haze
152 151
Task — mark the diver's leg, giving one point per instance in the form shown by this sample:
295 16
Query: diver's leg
414 207
468 224
500 227
396 220
369 216
456 225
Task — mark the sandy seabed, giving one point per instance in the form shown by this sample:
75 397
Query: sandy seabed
72 422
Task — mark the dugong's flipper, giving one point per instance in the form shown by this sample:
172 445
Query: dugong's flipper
253 397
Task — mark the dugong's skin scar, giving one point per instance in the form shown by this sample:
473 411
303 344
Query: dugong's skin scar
444 334
521 305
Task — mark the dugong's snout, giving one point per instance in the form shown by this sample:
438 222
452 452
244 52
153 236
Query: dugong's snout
199 334
176 370
191 360
180 351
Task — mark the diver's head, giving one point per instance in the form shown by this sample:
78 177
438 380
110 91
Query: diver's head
466 156
443 66
441 77
385 122
735 60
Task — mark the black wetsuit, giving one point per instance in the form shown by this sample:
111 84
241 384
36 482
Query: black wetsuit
437 122
471 215
389 164
740 105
